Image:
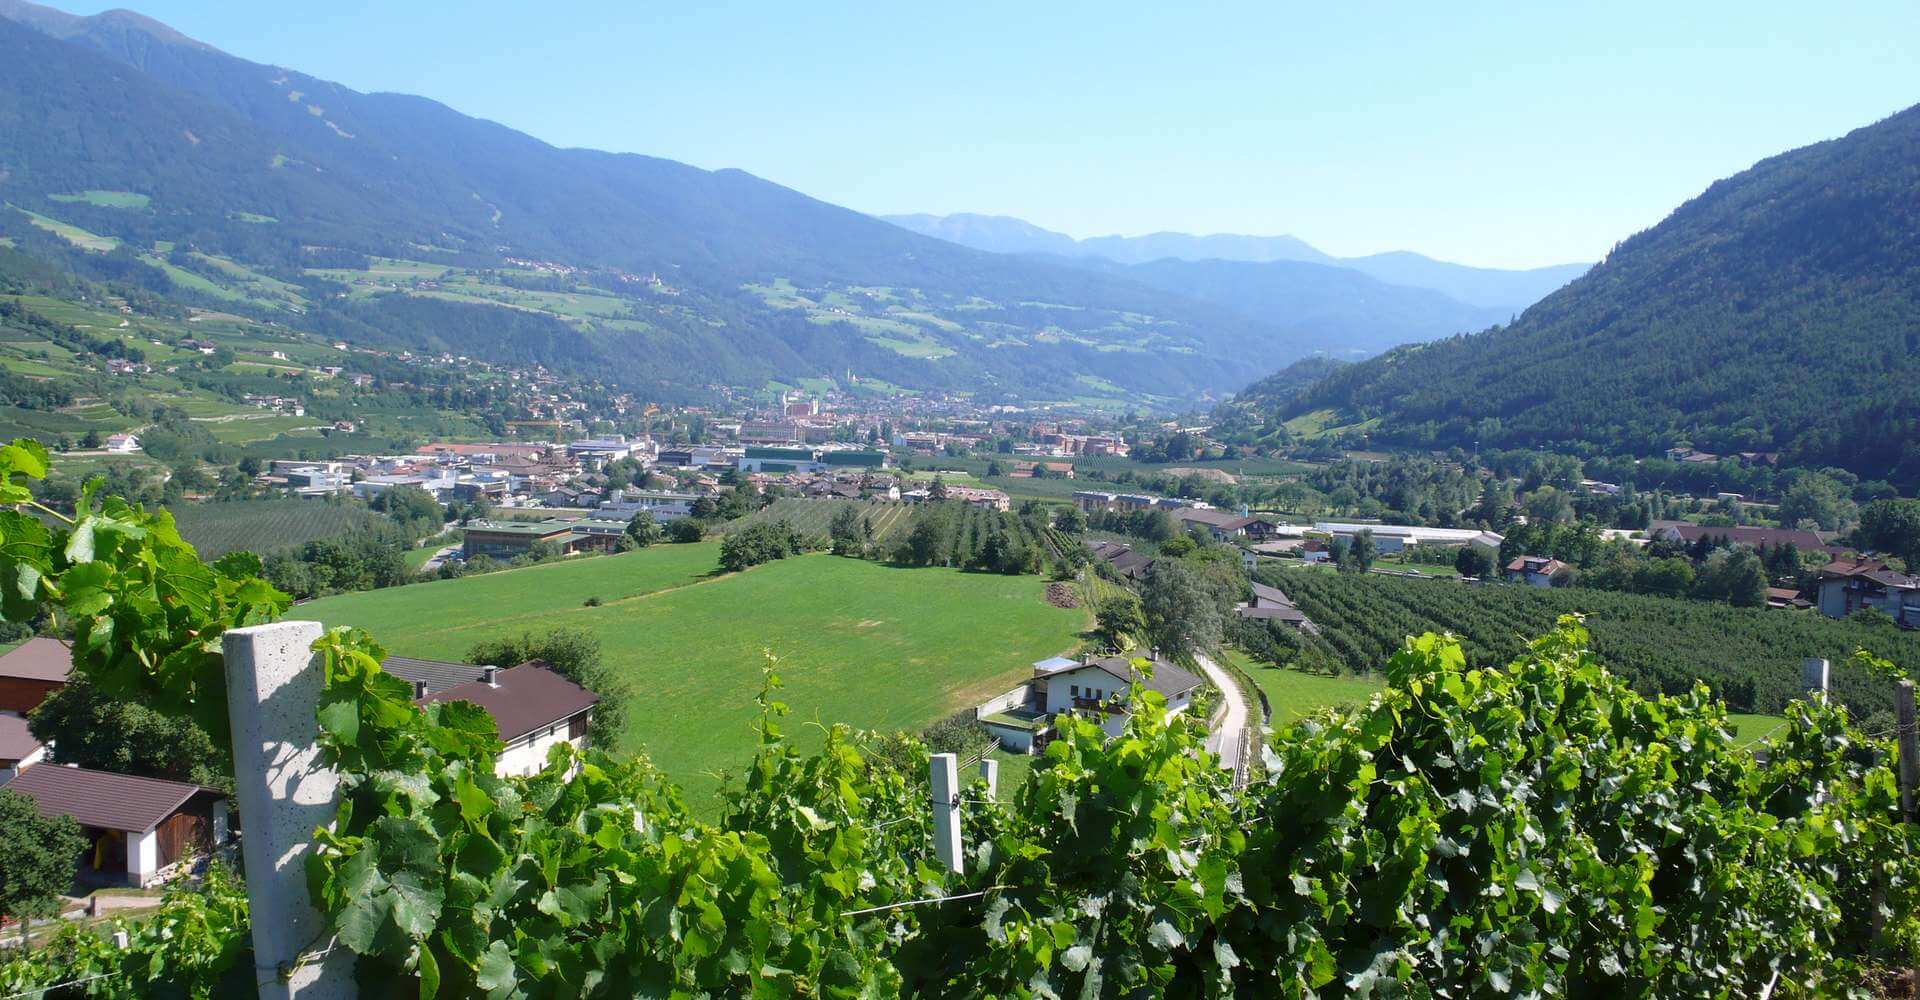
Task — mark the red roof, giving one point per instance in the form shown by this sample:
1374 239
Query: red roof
105 800
38 659
524 699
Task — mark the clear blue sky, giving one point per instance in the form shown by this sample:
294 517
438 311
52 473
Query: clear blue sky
1499 134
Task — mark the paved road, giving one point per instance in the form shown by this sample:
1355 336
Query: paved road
433 563
1229 738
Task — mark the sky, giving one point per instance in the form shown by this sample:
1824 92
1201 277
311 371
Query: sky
1506 135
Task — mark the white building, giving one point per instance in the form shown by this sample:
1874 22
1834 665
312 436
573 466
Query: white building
1396 537
1022 719
122 444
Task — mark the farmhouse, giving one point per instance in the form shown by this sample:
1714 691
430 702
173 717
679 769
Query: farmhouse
1847 585
532 706
142 830
31 671
1023 719
122 444
1219 524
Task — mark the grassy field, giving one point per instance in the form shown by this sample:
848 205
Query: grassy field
1296 693
861 643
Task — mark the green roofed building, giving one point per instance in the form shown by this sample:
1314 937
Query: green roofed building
506 539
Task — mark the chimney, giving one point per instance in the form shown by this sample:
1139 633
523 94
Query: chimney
491 675
419 690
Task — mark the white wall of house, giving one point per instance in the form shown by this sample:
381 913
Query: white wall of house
1012 739
1086 682
528 755
7 773
143 856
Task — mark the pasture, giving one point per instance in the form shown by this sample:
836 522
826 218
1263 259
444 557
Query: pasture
869 645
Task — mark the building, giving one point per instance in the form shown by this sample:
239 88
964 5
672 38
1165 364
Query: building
1687 533
663 505
1847 585
1534 571
1220 525
1399 537
18 749
31 671
1023 718
122 444
532 706
600 534
506 539
141 830
1272 604
598 452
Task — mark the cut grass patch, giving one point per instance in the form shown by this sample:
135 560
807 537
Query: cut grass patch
106 199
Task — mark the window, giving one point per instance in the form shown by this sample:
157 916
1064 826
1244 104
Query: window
1076 690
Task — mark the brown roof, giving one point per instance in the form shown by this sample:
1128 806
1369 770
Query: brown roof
16 740
528 697
103 799
38 659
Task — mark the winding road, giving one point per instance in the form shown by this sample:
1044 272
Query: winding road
1228 739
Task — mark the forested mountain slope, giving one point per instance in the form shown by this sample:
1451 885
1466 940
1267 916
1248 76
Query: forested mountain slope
157 147
1777 311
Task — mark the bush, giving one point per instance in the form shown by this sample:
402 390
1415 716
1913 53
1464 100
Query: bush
685 529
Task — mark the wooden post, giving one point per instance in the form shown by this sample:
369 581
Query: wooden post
1813 676
944 779
1903 715
990 770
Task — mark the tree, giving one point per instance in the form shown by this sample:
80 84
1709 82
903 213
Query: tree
1181 613
1818 500
1892 526
937 491
1358 555
1115 619
38 857
1473 561
1071 520
84 727
756 544
847 532
1733 575
931 538
685 529
641 532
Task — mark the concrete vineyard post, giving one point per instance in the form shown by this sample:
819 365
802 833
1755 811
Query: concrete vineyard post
944 780
274 682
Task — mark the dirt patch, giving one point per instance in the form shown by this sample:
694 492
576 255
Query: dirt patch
869 623
1062 595
1213 475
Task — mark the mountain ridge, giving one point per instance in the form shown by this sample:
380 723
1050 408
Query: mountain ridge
1778 311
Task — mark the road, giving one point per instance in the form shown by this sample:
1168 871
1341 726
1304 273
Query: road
1229 738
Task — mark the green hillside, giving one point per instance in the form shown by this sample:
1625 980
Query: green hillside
859 642
1778 311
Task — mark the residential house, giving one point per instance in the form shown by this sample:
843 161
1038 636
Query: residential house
1847 585
1787 598
532 706
140 830
1316 550
1220 525
1534 571
122 444
31 671
1022 719
1399 537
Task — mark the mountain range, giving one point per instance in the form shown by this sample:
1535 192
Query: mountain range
1492 288
131 152
1778 311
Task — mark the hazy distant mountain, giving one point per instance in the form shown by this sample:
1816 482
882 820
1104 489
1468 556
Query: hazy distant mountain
1778 311
1354 314
1494 288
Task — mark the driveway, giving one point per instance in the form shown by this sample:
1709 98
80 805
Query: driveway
1230 739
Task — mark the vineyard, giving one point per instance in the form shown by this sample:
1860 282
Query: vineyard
891 522
1749 656
890 519
1539 829
264 526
